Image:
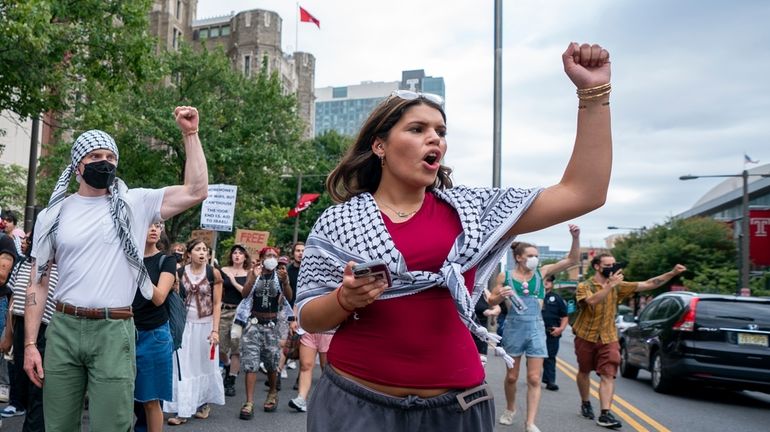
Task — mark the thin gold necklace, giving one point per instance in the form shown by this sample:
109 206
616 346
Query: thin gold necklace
402 215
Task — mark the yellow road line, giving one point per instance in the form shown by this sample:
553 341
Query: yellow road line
619 400
629 420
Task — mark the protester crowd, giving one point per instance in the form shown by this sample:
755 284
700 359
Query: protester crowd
106 315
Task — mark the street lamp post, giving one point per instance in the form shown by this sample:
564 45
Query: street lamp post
744 218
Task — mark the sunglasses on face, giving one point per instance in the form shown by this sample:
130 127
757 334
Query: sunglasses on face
412 95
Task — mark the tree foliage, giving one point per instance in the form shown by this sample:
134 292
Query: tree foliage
704 245
13 183
54 54
251 135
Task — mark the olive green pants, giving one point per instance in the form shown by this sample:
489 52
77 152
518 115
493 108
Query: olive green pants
94 356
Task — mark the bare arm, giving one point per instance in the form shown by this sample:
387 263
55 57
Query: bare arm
557 331
570 260
233 282
658 281
583 186
37 293
251 280
6 266
607 286
285 285
330 310
498 293
177 199
217 303
160 292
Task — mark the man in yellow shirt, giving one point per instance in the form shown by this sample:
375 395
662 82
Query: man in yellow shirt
596 337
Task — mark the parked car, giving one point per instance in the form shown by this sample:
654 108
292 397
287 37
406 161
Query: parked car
718 339
624 321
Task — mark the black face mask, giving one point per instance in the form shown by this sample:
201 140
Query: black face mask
606 271
179 256
99 175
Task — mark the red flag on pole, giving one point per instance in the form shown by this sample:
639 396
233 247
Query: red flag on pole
305 16
304 202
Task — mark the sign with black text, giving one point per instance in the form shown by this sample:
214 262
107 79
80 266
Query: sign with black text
218 210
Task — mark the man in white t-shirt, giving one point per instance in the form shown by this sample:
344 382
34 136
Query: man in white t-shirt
95 237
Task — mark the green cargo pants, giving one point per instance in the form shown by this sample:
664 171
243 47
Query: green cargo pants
97 356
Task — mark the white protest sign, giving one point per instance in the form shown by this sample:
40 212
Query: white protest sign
218 210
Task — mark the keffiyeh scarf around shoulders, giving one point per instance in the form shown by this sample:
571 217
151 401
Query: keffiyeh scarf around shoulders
355 231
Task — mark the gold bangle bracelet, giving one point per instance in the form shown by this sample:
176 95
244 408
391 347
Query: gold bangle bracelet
597 89
30 343
594 96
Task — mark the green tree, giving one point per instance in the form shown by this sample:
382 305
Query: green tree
316 157
13 183
56 54
704 245
249 129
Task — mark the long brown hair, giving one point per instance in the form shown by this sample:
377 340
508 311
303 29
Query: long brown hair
360 170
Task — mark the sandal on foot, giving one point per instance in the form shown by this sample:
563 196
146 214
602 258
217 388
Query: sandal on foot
203 412
176 421
247 411
271 403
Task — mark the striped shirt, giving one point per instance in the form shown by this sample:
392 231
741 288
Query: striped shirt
597 323
19 283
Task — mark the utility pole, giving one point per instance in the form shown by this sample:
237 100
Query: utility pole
29 206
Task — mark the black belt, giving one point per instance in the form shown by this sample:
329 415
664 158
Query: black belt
262 321
229 306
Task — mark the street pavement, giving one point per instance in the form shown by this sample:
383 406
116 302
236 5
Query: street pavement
636 405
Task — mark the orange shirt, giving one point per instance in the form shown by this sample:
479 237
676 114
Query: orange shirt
596 323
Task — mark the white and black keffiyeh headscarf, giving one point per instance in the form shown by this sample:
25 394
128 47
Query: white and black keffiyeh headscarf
355 231
48 221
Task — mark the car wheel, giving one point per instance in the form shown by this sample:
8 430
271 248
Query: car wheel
627 370
661 383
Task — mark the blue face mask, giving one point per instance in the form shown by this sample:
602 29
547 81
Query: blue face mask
99 175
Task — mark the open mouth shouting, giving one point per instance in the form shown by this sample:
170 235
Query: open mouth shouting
433 160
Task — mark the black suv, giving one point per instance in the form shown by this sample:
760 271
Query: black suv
719 339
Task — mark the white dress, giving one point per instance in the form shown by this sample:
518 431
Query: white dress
201 381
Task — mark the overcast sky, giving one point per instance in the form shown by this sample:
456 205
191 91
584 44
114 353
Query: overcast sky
691 87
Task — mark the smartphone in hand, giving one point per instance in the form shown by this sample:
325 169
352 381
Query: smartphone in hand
377 269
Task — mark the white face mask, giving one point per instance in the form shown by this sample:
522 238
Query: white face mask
270 263
532 263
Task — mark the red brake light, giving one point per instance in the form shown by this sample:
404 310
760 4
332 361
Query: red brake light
687 322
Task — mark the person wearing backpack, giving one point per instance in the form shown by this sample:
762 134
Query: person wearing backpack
154 368
197 365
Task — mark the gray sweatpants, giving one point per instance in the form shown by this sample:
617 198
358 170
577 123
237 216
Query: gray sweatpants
338 403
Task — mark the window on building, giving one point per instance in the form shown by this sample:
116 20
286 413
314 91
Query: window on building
196 35
247 65
178 8
339 92
225 30
177 35
204 34
214 32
